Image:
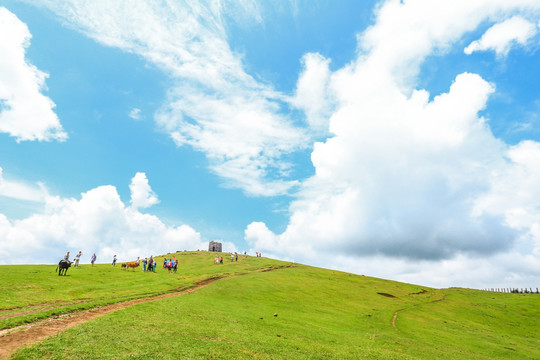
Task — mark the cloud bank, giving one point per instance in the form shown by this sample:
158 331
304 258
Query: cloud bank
409 181
97 222
25 113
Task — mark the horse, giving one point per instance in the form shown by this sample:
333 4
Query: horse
63 265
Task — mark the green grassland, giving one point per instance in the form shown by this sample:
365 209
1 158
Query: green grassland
291 312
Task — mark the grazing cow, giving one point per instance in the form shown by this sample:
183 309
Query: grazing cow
63 265
124 266
132 265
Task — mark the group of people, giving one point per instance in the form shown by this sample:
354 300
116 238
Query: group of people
149 264
77 258
170 264
219 260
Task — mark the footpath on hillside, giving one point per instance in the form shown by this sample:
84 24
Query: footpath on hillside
26 335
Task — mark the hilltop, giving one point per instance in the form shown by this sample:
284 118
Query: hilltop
256 308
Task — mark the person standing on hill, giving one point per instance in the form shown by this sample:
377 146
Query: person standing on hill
93 259
77 258
114 260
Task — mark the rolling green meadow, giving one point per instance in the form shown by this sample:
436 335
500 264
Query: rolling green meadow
259 308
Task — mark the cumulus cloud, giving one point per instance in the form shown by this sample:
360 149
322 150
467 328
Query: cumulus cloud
25 112
97 222
406 180
502 36
142 195
215 106
312 95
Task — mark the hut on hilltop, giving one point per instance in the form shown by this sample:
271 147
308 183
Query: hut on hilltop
214 246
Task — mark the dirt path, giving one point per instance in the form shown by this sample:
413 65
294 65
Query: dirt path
30 334
394 318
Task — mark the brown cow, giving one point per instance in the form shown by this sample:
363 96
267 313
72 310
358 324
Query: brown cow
124 266
132 265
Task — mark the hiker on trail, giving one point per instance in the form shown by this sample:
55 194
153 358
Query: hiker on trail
236 255
221 260
77 258
93 259
144 262
114 260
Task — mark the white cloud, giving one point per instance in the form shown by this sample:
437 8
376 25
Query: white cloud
142 195
502 36
312 95
216 107
97 222
25 112
406 180
243 138
135 114
22 191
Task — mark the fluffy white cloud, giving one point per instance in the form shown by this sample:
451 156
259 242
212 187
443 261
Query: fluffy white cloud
500 37
312 95
215 107
25 112
141 193
415 185
97 222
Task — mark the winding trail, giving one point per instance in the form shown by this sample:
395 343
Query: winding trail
26 335
394 318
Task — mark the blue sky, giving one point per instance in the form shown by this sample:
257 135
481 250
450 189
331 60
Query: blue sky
392 139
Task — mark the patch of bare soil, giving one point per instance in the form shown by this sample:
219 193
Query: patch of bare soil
14 339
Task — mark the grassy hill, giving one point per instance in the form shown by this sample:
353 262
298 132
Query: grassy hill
265 309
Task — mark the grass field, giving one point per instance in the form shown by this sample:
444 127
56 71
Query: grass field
291 312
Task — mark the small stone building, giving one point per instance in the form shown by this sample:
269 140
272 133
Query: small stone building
214 246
